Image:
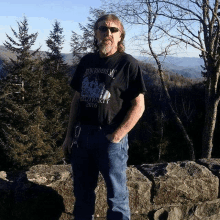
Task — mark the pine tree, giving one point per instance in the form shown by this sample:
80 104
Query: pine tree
18 69
18 97
54 43
34 101
83 44
25 137
57 92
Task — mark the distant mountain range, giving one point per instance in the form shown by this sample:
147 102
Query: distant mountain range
189 67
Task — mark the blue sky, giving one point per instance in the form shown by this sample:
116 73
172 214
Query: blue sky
41 15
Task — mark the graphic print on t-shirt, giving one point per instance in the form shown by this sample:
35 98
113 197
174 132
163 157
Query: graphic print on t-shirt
94 89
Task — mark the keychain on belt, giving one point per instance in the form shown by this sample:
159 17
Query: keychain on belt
74 143
76 136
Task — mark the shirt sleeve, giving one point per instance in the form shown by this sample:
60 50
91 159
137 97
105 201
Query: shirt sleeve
136 83
76 80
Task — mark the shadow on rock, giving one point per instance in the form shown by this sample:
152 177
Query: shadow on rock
25 200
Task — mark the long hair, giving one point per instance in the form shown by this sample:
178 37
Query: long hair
114 18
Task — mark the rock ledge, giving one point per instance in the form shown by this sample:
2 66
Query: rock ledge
171 191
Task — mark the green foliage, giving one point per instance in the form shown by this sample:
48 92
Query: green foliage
54 43
24 41
156 138
34 103
83 44
57 92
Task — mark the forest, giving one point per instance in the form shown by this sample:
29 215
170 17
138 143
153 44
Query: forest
35 99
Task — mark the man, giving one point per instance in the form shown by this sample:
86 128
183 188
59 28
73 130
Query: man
108 102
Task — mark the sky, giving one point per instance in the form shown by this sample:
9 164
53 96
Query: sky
41 15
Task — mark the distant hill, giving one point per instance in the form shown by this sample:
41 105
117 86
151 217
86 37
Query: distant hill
189 67
6 55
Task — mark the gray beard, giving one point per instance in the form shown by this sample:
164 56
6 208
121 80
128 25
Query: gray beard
105 49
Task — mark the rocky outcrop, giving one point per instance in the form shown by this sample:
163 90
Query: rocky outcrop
169 191
212 164
181 183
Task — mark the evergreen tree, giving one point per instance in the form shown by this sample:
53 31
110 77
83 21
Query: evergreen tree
34 101
18 98
83 44
18 69
57 92
54 43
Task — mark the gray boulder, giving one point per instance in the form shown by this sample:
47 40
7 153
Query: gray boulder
181 182
169 191
212 164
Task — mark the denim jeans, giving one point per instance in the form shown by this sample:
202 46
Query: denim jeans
94 154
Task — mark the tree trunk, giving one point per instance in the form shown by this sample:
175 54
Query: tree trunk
209 127
176 117
161 131
151 23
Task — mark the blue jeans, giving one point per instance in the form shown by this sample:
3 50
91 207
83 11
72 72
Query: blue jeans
96 153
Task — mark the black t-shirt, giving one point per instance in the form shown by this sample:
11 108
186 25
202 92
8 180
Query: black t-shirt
106 87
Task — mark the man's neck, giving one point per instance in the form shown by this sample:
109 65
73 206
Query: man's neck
104 55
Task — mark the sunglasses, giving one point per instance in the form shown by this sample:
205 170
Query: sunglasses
103 29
